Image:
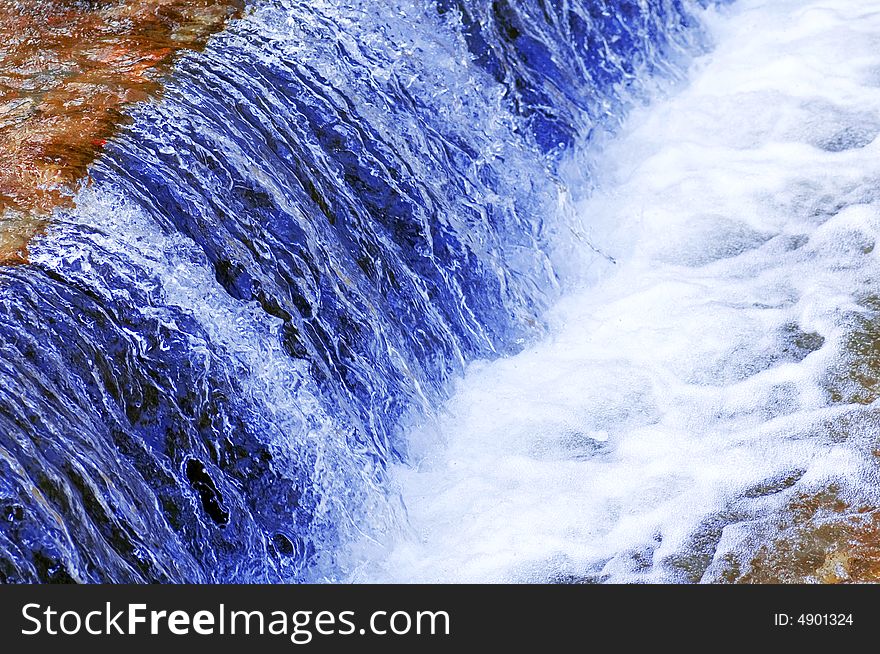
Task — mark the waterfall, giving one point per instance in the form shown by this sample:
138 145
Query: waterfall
211 363
704 410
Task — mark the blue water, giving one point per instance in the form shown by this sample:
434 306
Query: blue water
212 360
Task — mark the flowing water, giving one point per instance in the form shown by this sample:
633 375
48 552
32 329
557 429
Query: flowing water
702 409
458 290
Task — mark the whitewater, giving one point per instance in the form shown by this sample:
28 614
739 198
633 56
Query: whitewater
211 352
710 372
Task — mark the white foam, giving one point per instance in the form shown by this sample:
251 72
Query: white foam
742 214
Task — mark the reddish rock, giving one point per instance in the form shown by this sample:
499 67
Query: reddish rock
68 71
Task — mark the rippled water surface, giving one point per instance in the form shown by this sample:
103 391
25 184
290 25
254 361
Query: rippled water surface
704 409
210 361
438 290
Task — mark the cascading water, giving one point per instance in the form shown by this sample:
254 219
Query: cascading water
704 410
232 359
209 362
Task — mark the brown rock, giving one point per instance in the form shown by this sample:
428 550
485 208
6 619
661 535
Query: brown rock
68 71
